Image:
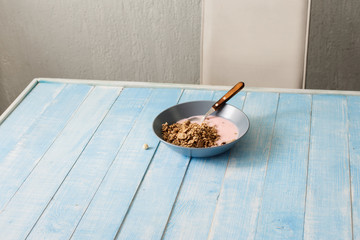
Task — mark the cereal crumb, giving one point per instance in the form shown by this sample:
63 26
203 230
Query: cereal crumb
145 146
189 134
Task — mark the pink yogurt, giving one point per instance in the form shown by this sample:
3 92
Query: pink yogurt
226 129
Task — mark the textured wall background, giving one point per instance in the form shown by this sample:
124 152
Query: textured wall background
334 45
128 40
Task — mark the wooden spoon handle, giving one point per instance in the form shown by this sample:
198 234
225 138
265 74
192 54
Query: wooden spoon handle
228 95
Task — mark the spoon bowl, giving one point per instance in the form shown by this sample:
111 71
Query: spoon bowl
189 109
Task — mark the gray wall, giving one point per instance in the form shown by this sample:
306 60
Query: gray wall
149 40
129 40
334 45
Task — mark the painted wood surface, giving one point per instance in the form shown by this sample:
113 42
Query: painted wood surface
240 197
42 183
34 143
78 169
283 198
28 111
151 209
113 198
328 205
65 210
354 154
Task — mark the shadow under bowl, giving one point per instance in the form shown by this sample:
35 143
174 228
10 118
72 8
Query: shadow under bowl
189 109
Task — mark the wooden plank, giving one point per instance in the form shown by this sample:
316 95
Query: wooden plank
17 219
283 201
114 196
150 210
328 206
18 100
193 86
240 198
26 114
157 193
19 160
195 205
354 151
62 215
195 95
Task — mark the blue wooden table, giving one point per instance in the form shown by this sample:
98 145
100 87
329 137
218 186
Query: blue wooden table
72 166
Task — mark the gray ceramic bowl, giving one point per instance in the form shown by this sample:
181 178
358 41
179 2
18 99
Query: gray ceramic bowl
189 109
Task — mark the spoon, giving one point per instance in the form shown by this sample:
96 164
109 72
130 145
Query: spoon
232 92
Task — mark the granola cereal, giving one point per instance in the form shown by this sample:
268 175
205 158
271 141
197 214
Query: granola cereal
189 134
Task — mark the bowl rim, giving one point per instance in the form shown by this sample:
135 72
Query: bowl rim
214 147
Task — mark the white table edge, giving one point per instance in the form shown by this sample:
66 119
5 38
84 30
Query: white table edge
116 83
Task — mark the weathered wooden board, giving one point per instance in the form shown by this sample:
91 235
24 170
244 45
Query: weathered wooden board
353 103
74 167
240 197
283 199
158 191
26 114
115 194
26 206
18 160
60 218
328 203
